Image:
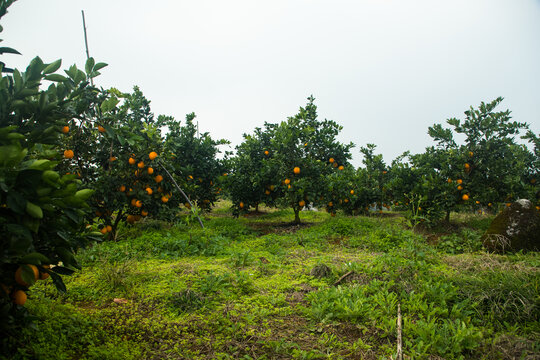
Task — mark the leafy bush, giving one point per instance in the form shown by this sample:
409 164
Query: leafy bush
466 241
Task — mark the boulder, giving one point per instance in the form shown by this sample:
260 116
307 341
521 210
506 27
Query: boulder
516 228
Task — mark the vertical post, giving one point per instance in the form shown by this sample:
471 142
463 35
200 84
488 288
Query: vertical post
86 43
399 339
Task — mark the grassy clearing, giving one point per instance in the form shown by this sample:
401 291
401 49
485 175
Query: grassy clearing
259 287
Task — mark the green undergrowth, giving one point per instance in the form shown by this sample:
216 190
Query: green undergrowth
260 287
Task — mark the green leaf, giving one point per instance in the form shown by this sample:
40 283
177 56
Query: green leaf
52 67
99 66
11 154
35 259
57 280
40 164
28 275
62 270
89 66
8 50
84 194
56 78
33 210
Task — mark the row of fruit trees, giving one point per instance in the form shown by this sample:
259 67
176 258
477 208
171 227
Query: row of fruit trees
77 161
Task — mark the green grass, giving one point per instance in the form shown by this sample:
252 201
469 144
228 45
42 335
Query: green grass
244 289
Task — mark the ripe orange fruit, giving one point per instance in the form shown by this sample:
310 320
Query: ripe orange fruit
352 192
112 158
42 274
158 178
138 203
101 129
152 155
302 203
190 177
465 197
467 166
18 275
266 152
65 129
341 167
385 172
287 181
68 154
471 154
296 170
508 204
335 164
140 165
164 199
149 191
331 160
103 230
241 205
144 213
109 228
346 200
130 219
460 187
131 161
489 204
133 202
538 208
288 186
267 192
330 204
122 188
19 297
150 171
449 181
459 181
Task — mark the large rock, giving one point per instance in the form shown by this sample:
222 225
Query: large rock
516 228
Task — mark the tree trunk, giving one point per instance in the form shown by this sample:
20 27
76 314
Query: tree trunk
257 207
447 218
297 215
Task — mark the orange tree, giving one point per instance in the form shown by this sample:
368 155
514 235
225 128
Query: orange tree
251 180
116 150
304 151
532 174
489 163
194 160
376 178
41 209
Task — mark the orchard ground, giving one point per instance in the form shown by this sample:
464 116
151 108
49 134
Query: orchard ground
260 287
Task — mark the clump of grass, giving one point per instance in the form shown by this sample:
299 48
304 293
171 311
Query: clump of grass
186 300
321 271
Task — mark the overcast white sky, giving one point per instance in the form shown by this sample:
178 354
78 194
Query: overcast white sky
383 69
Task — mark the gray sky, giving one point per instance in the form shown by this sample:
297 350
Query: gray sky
383 69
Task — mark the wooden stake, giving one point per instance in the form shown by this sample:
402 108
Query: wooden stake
399 339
